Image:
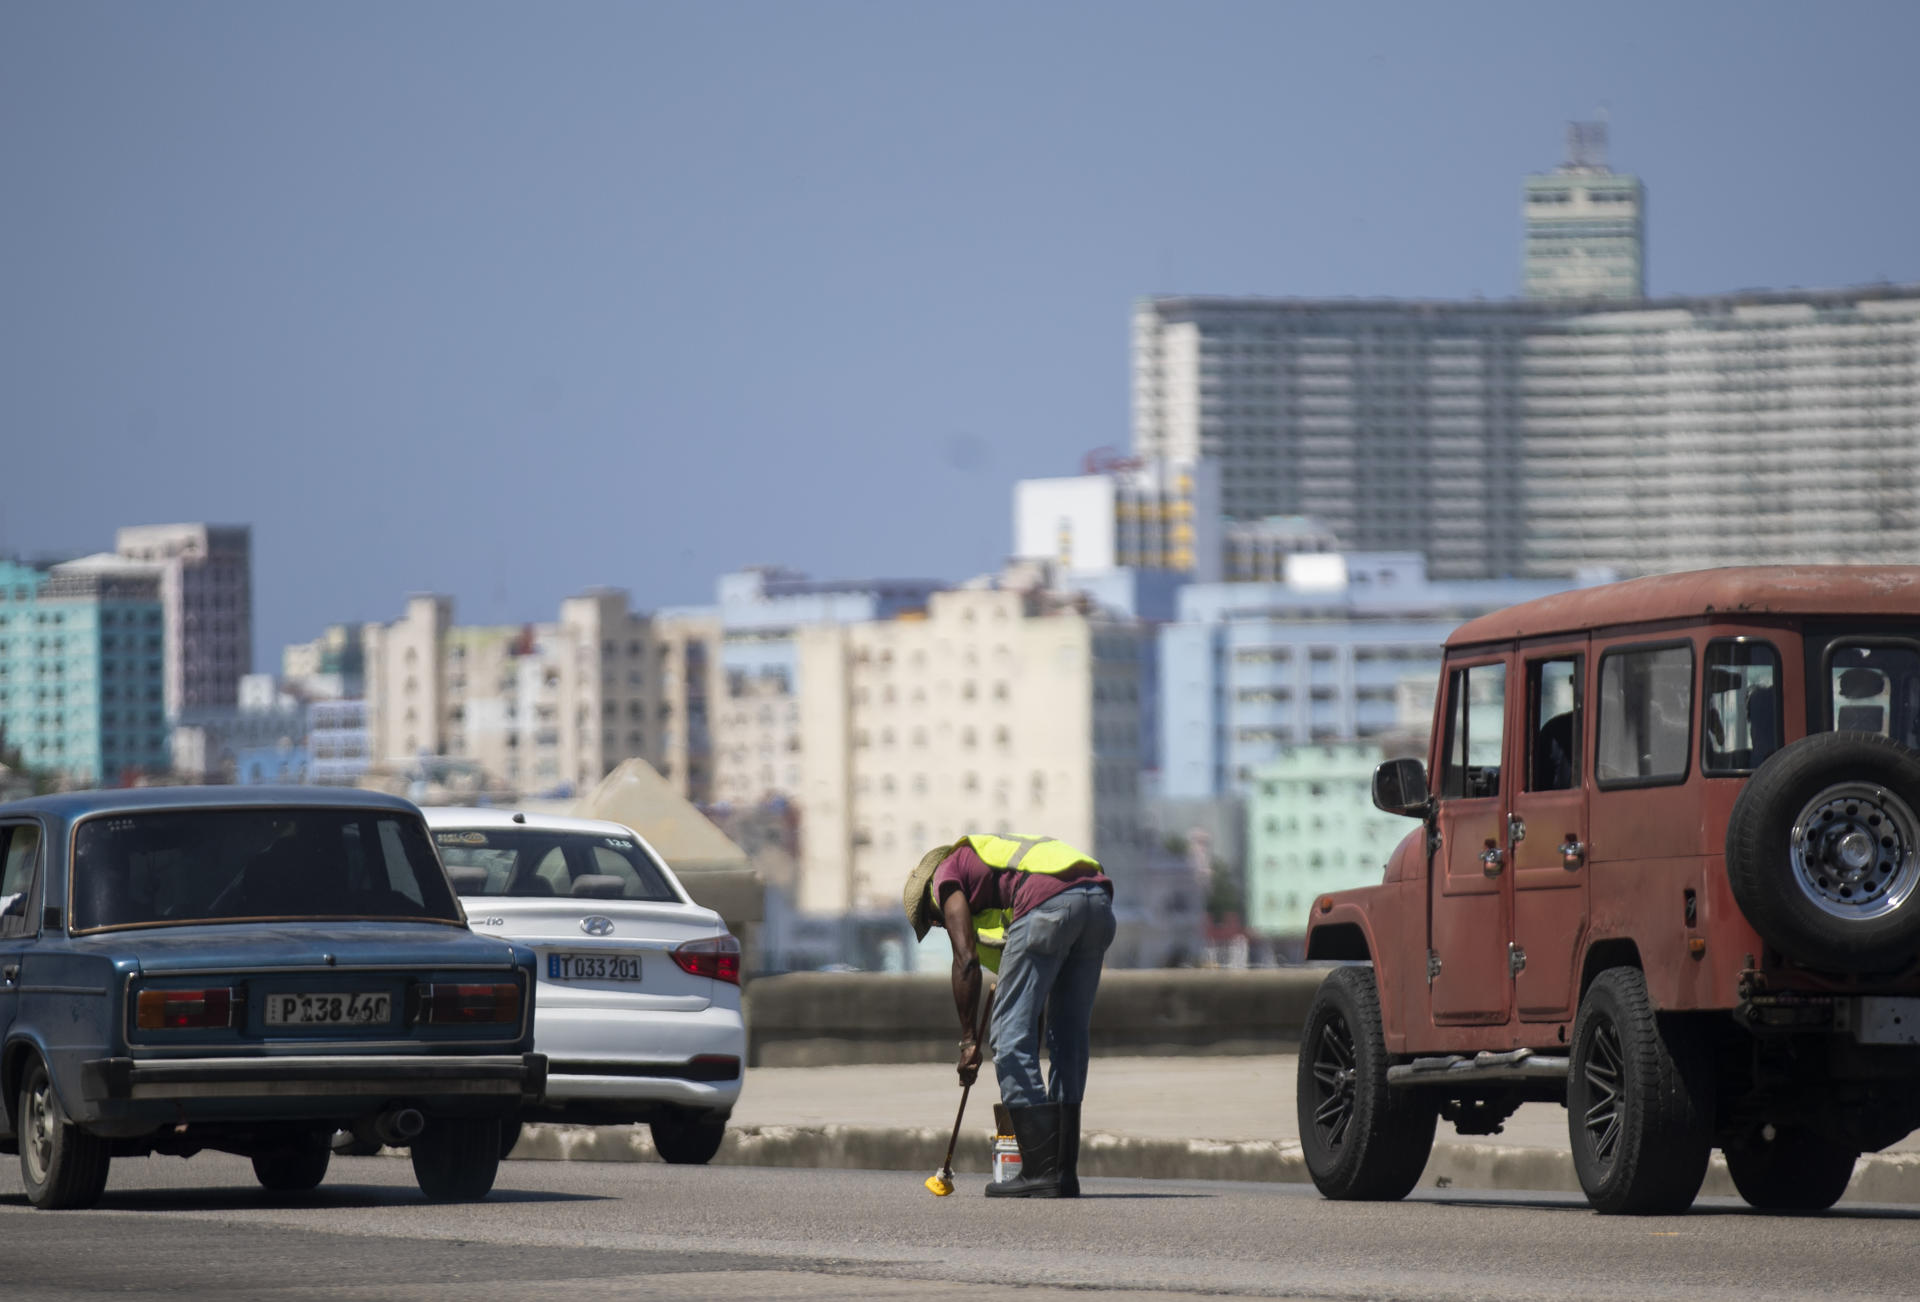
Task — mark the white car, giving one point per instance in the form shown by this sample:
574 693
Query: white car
638 1003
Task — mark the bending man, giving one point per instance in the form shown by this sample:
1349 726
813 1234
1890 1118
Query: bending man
1040 913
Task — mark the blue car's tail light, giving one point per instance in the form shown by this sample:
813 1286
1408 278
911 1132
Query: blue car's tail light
442 1004
184 1010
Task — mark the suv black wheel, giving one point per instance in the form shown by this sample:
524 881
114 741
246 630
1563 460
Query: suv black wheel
61 1165
1637 1103
1823 852
687 1142
1789 1169
1362 1141
296 1168
509 1136
456 1158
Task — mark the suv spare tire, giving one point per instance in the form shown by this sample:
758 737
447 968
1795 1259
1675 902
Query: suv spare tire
1823 852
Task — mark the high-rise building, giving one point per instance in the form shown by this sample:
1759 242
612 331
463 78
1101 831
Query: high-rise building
83 672
998 709
206 585
1535 438
1586 225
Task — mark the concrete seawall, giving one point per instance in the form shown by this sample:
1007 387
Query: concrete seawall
818 1019
1879 1177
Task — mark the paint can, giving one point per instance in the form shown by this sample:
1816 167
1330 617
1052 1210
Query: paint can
1006 1148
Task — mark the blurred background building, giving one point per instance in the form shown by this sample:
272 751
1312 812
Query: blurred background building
541 708
83 672
1586 225
1252 668
1537 438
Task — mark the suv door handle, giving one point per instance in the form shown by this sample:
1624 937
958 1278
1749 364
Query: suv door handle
10 973
1492 860
1572 853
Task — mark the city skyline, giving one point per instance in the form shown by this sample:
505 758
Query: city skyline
739 258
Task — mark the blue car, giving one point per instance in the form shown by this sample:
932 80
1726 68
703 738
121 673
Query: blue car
248 970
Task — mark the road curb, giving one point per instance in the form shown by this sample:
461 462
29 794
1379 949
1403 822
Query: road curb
1879 1177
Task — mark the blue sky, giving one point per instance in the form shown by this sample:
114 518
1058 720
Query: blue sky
509 300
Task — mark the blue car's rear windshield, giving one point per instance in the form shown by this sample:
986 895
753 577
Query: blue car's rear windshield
225 865
528 862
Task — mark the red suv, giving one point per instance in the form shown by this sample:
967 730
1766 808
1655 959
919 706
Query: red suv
1666 876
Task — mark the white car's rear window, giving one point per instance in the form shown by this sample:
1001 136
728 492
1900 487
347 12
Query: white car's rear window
530 863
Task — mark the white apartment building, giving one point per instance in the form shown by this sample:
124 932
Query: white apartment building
1535 438
1158 515
997 710
749 726
540 707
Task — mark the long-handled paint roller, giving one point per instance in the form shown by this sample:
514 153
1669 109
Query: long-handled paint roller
940 1183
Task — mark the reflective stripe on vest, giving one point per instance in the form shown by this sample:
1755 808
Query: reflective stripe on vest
1024 854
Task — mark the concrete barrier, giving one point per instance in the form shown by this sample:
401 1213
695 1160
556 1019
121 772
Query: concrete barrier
1879 1177
819 1019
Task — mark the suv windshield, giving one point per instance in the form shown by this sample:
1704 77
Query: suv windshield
224 865
530 862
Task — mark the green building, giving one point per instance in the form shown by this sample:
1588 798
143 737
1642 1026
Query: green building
83 672
1312 828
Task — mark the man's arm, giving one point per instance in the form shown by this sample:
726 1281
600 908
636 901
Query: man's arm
966 978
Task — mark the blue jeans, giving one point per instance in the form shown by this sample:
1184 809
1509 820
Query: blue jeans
1051 963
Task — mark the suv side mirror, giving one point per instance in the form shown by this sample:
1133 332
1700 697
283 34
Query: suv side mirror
1400 787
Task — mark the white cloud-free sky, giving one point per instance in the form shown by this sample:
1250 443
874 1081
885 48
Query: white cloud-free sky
509 300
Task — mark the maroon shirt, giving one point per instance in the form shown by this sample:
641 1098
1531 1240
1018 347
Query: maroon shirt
1005 888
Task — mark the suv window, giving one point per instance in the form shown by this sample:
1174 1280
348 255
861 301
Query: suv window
1646 716
1740 708
21 844
1876 688
1476 723
1553 724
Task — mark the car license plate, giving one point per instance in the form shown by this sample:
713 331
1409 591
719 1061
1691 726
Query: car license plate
353 1009
593 967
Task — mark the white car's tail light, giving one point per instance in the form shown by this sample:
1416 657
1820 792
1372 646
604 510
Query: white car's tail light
717 957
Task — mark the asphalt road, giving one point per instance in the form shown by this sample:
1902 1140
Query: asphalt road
582 1231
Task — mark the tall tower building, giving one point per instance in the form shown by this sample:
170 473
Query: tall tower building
1586 225
206 588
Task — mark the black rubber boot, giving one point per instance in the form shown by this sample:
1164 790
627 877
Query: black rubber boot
1038 1130
1069 1150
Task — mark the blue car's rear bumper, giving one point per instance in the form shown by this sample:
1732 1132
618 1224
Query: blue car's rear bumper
342 1076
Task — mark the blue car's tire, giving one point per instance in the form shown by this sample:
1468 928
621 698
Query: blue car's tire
455 1159
296 1168
61 1166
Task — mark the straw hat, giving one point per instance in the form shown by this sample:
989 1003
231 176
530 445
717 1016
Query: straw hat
917 898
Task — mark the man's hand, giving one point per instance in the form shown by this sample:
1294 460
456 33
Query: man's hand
969 1061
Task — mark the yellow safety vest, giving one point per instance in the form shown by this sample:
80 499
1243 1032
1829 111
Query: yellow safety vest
1025 854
